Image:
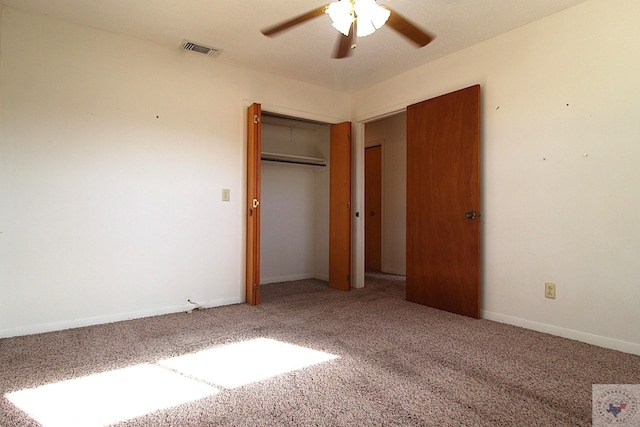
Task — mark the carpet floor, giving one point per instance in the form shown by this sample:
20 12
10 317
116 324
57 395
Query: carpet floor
307 356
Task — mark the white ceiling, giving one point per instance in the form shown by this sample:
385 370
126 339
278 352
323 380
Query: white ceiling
304 52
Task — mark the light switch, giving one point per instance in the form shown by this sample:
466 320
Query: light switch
226 194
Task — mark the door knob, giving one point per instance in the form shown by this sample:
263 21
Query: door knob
470 215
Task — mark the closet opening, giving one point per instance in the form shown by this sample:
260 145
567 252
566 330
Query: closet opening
294 202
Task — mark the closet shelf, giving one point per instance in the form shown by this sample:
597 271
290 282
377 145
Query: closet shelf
299 160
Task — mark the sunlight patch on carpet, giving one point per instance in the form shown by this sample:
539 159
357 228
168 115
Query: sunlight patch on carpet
246 362
109 397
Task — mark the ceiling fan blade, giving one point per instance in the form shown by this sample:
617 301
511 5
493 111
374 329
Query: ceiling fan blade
408 29
346 43
271 31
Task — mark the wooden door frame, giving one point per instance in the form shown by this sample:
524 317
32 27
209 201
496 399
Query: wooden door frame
252 250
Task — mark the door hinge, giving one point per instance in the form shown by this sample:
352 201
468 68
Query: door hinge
348 277
255 287
256 119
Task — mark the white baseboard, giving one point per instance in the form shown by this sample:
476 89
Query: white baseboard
601 341
324 277
110 318
290 278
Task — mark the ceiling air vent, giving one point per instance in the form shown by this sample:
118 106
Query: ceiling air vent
199 48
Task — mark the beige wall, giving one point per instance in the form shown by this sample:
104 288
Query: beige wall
560 132
113 155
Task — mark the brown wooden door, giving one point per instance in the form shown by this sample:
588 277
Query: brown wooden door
254 135
373 208
340 207
443 202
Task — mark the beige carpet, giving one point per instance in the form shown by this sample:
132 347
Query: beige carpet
307 356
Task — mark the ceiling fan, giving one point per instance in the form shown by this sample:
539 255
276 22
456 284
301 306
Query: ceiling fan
357 18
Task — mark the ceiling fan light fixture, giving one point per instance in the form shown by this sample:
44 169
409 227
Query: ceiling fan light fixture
357 18
342 15
370 16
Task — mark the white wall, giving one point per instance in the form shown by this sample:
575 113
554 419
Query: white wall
294 221
287 243
561 101
391 132
113 154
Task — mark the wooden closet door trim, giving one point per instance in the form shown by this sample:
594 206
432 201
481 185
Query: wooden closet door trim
254 137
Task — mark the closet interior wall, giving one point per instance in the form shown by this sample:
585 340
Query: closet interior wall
294 202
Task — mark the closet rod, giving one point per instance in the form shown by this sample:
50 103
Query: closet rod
299 160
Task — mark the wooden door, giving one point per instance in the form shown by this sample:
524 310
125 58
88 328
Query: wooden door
340 207
373 208
443 202
254 135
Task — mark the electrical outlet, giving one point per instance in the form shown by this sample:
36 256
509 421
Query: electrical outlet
226 195
550 290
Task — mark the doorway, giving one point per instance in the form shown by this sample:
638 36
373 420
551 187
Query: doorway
298 201
442 272
389 134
